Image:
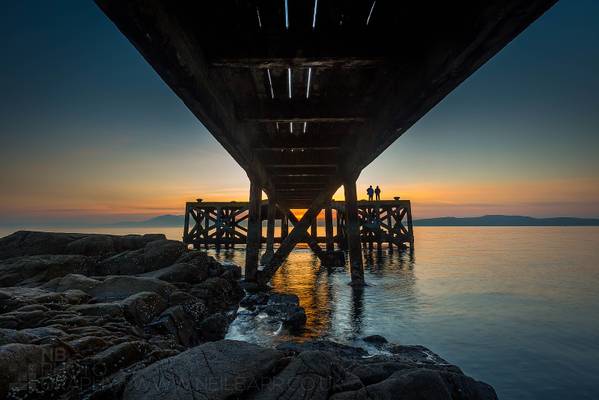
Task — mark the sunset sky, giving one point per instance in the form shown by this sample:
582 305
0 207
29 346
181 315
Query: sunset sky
90 133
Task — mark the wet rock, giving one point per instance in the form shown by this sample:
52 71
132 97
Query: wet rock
181 272
223 369
120 287
292 316
375 339
338 349
43 332
143 307
252 300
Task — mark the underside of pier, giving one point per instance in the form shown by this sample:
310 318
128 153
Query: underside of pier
305 94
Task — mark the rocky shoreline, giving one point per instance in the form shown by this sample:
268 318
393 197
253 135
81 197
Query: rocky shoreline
142 317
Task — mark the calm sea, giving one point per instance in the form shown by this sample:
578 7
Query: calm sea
517 307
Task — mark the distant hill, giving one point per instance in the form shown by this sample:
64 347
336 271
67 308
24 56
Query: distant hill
506 220
486 220
163 221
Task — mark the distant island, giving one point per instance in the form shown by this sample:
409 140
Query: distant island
485 220
506 220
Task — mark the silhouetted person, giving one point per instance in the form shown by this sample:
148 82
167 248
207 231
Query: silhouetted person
370 192
377 192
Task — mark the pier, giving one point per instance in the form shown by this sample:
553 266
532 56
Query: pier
224 224
305 94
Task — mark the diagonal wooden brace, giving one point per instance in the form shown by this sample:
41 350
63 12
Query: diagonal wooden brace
311 240
298 233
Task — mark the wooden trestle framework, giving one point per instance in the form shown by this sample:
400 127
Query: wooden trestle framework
304 94
224 224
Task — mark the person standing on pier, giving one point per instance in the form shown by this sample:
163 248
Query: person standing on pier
377 192
370 192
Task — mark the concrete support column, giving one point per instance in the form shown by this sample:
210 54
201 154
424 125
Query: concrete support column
352 223
254 234
328 222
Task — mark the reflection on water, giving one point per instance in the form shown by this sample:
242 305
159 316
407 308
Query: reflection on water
516 307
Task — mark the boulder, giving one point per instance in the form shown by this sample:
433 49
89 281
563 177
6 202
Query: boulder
92 245
120 287
108 310
309 376
218 293
162 253
180 272
215 370
143 307
116 357
23 243
214 327
292 316
8 336
71 282
42 268
423 384
375 340
340 350
154 255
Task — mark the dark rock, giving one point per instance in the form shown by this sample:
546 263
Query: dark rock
292 316
42 268
215 370
252 300
181 272
93 245
27 243
18 363
154 255
214 327
88 345
71 282
181 297
143 307
8 336
375 339
309 376
121 287
108 310
33 243
116 357
162 253
423 384
338 349
217 293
